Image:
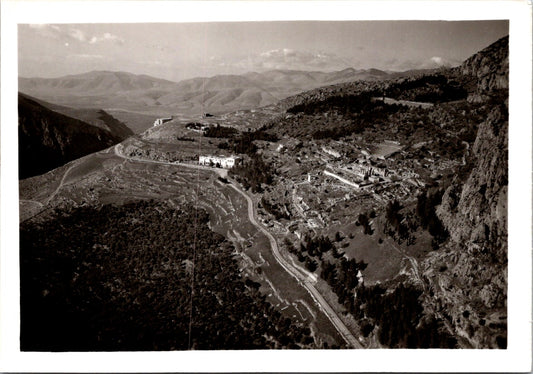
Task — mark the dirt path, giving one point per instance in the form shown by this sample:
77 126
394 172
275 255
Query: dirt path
59 186
412 261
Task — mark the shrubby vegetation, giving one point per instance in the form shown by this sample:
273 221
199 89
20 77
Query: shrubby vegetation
342 277
244 143
253 174
364 220
220 132
120 278
395 225
399 319
347 114
347 104
185 138
425 209
276 210
394 315
401 224
434 88
447 128
316 246
311 250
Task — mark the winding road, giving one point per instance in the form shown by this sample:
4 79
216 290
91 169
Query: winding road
303 279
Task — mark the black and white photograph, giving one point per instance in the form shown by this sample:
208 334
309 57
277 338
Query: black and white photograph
261 185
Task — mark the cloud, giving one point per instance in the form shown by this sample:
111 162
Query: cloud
68 33
77 34
290 59
106 37
59 32
431 63
43 26
437 60
49 31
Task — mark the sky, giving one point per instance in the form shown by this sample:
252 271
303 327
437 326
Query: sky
178 51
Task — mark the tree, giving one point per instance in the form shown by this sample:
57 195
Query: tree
310 264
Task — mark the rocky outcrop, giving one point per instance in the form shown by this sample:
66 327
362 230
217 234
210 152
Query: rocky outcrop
476 212
468 276
490 67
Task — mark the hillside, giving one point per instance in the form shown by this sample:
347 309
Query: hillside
474 211
48 139
94 83
489 68
456 117
389 193
103 291
95 117
221 93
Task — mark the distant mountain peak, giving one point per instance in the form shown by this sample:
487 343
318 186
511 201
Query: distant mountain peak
376 72
219 93
349 70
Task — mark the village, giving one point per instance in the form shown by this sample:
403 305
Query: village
323 182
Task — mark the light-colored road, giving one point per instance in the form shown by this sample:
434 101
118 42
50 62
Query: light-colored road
304 279
221 172
301 277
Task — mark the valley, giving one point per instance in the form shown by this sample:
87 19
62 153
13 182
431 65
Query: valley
357 208
131 97
179 183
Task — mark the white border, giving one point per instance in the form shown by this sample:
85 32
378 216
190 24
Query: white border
518 355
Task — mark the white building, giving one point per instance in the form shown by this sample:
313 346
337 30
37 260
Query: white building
160 121
219 161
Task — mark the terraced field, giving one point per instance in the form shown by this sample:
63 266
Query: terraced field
105 177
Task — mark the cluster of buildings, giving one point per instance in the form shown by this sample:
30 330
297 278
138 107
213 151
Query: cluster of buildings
197 126
366 171
226 162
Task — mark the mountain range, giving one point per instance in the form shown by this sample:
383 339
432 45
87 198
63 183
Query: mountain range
221 93
463 283
64 118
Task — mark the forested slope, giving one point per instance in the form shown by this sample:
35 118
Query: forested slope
120 278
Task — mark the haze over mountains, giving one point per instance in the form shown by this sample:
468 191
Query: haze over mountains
65 118
221 93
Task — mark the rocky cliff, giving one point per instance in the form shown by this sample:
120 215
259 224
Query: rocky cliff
468 276
489 67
